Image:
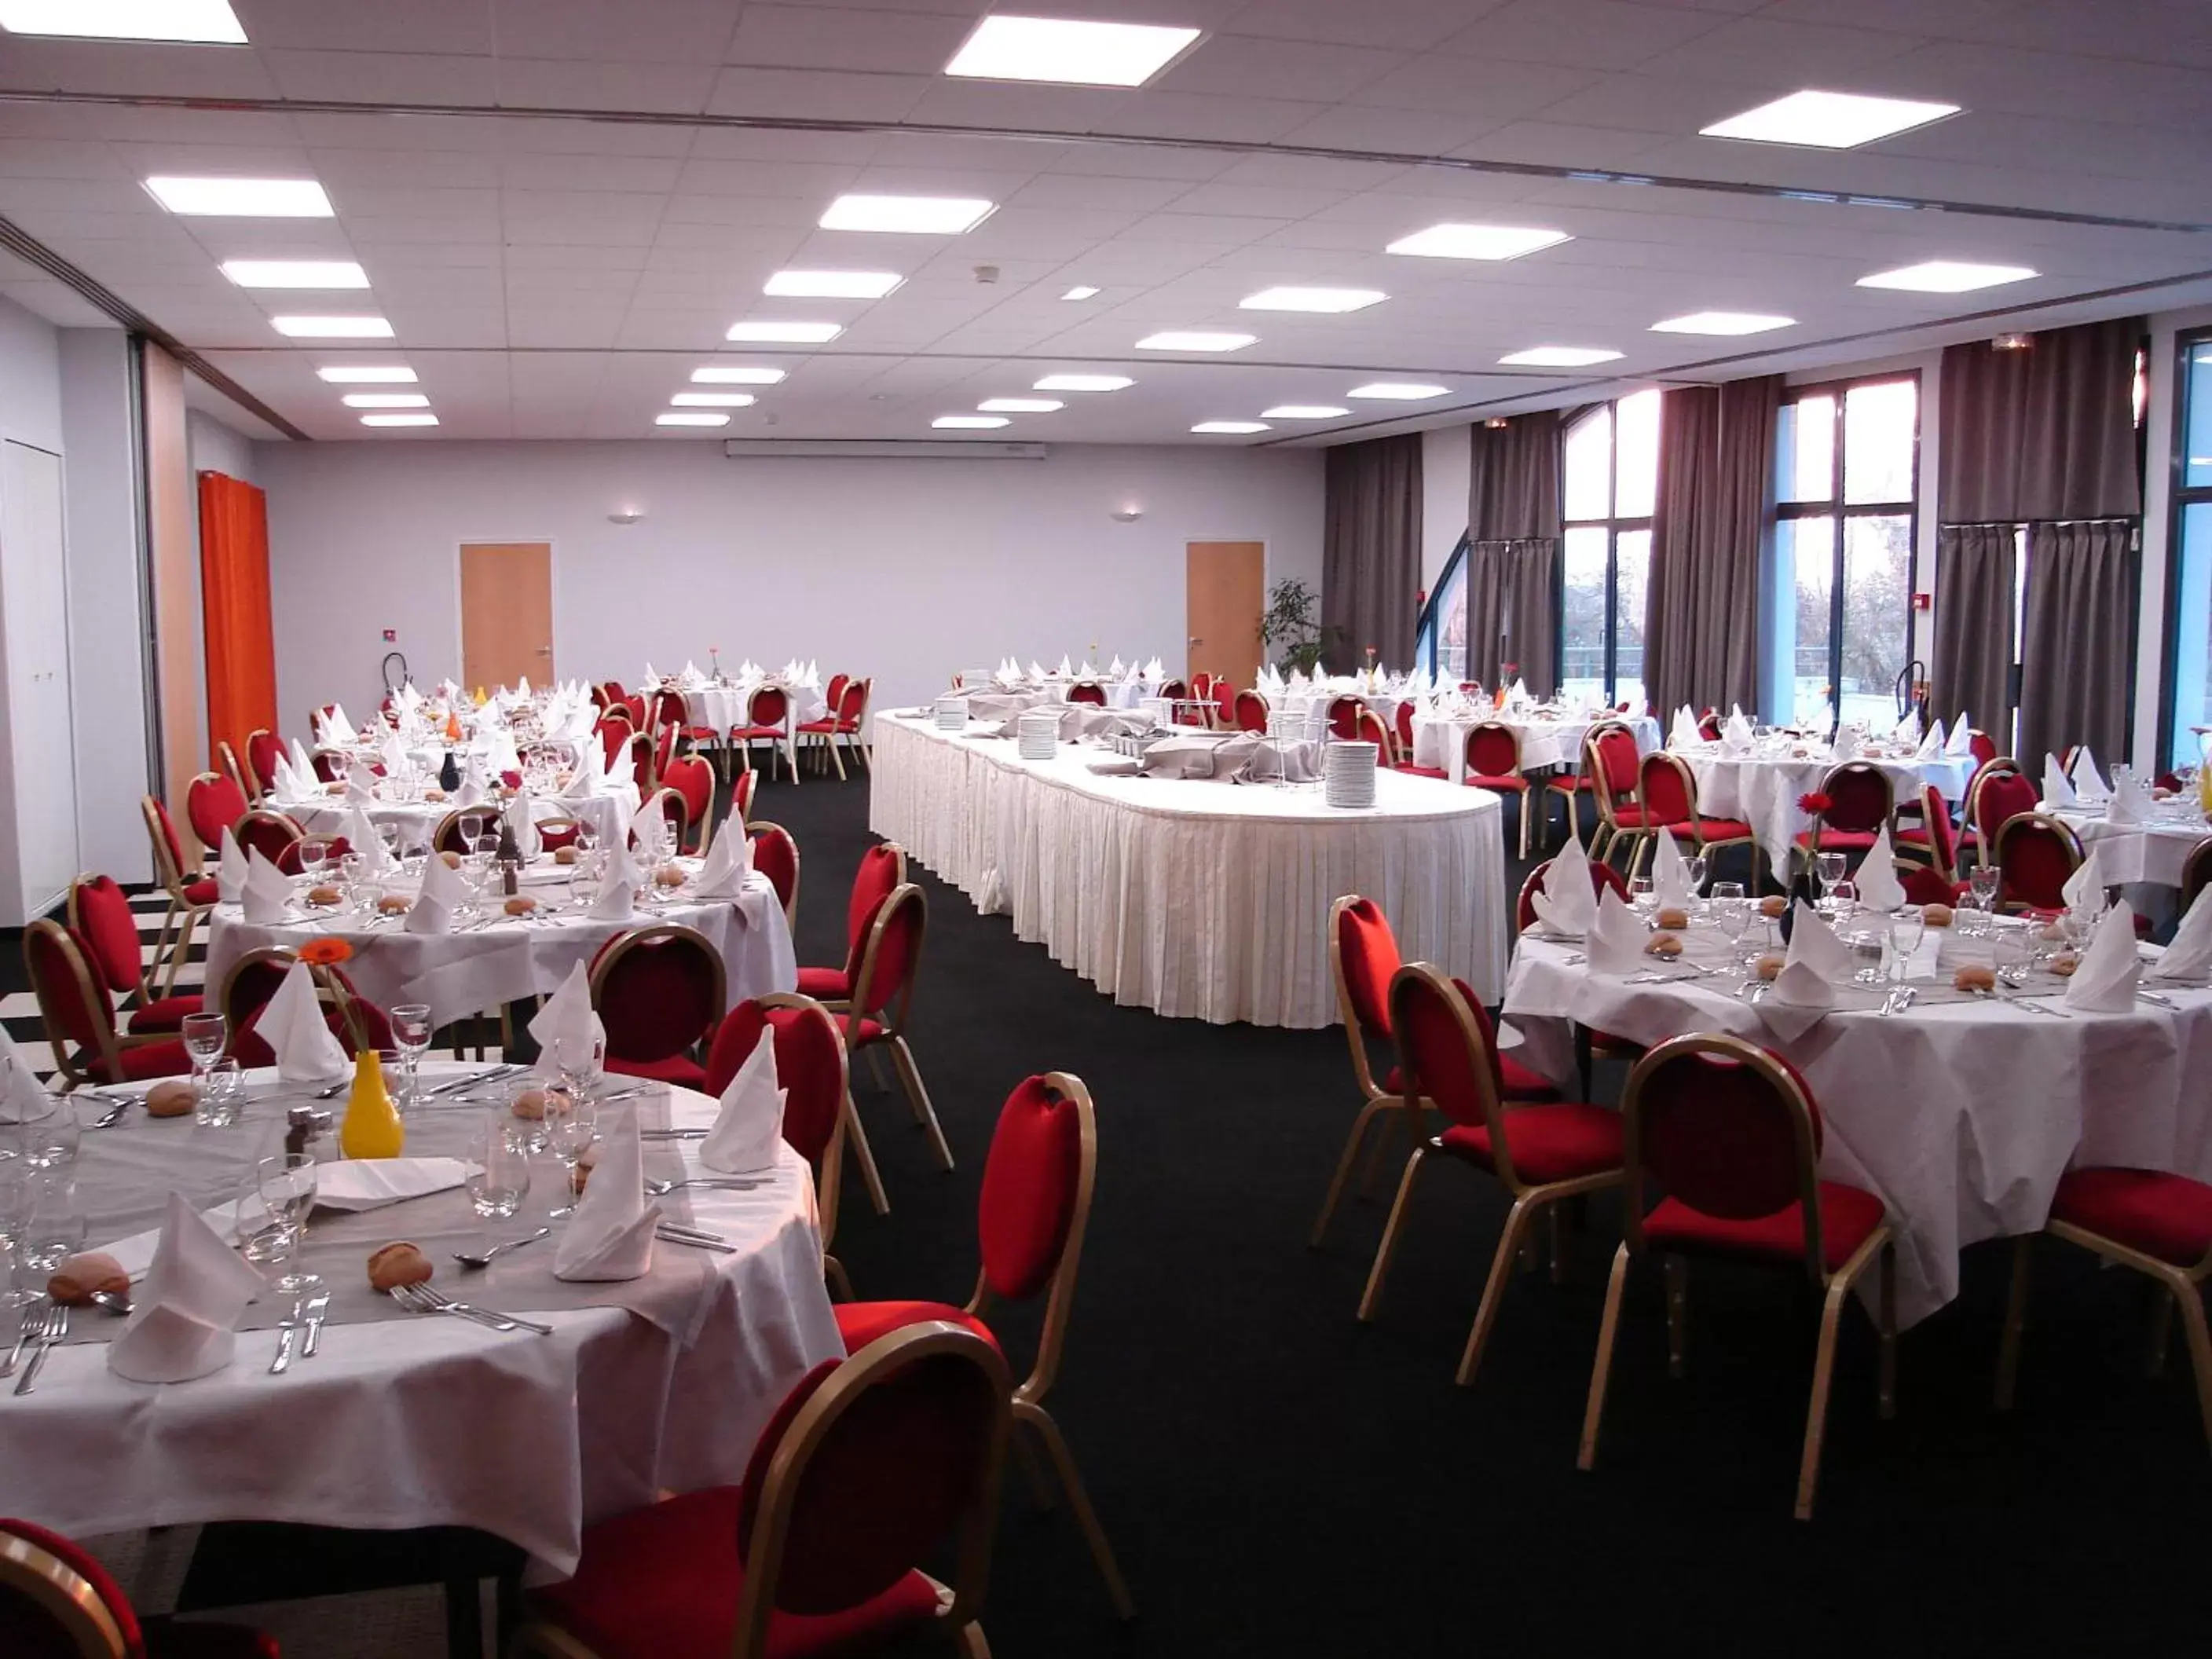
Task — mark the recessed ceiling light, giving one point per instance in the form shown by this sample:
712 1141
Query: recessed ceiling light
399 420
721 376
1227 427
1828 121
1083 383
1560 357
332 328
1304 412
295 273
1081 291
1312 299
368 375
195 22
1402 392
1454 242
1722 322
242 199
832 284
1194 339
385 400
713 400
1946 276
1061 49
691 417
1020 405
968 422
909 215
786 333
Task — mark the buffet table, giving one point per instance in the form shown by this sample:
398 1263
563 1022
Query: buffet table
1200 899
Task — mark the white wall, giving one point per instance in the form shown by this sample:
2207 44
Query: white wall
217 448
904 569
1447 473
30 379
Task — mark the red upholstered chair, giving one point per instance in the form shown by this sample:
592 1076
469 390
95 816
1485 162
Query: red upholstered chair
848 703
1983 745
1362 956
600 700
287 861
835 691
1493 761
1730 1134
265 831
883 868
1225 703
2196 872
227 758
613 690
871 1466
1860 804
57 1601
2004 792
775 856
691 781
1709 726
1251 712
1035 1207
2161 1225
878 1016
663 750
1087 691
767 712
1933 842
1540 1154
638 759
324 764
1924 885
2035 855
213 804
1602 876
659 991
1669 796
810 1067
667 711
1344 714
634 702
1178 692
79 1016
101 918
190 895
248 984
742 787
1401 728
254 979
614 732
1367 728
1610 757
263 748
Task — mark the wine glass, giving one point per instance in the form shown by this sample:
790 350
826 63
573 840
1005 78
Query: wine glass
498 1168
314 854
472 825
579 1059
287 1185
1698 867
1829 868
1731 908
1907 929
571 1124
204 1034
412 1028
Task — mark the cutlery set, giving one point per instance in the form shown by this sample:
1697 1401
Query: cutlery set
47 1329
305 1327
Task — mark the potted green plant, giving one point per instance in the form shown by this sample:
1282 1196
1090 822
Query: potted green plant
1290 628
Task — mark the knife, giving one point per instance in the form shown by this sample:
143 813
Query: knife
461 1082
286 1330
319 1307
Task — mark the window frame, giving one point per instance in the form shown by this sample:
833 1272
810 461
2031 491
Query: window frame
1834 507
2180 496
1613 525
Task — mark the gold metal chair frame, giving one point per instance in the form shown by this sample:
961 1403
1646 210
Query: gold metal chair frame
112 1041
1836 1287
829 1177
1609 828
1986 844
959 1603
1529 1198
791 908
2043 820
893 1023
72 912
1932 801
898 880
697 832
742 786
786 750
270 816
173 942
64 1594
1698 840
233 769
636 939
1467 762
1374 1101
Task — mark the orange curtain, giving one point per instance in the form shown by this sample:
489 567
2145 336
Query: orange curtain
241 643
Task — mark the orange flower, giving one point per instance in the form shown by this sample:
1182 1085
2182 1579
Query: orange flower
325 952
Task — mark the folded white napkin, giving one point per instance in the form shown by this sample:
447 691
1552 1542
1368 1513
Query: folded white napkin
1803 992
728 862
298 1033
749 1127
1961 741
1036 669
393 755
1813 943
183 1318
1670 877
1879 887
1931 746
1684 731
2190 955
611 1235
1153 670
2057 789
567 1016
1736 734
230 870
2089 786
1908 729
266 892
370 1183
617 896
1519 694
333 727
2105 981
1616 938
440 895
520 819
360 787
1566 904
2131 801
27 1096
367 845
591 769
2084 891
1066 668
522 686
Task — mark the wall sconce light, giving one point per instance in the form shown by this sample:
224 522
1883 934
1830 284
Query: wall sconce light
1498 424
2012 341
625 516
1129 514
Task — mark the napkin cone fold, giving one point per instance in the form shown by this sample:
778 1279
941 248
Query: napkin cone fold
184 1319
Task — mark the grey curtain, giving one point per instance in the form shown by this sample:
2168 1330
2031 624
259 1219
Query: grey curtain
1371 556
1973 657
2044 433
2077 655
1709 533
1513 550
1513 612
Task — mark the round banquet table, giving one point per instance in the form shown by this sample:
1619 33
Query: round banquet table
2153 851
1441 739
1763 788
484 964
609 810
1960 1114
402 1420
1200 899
724 706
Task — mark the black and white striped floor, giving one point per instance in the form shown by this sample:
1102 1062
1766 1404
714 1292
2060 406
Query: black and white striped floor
19 1009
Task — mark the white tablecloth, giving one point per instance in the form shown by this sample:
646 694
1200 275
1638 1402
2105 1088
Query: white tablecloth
724 706
429 1421
2154 852
1441 739
1961 1117
608 812
1763 789
1198 899
481 968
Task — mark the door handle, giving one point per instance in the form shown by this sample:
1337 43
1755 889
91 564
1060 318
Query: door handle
544 650
1196 640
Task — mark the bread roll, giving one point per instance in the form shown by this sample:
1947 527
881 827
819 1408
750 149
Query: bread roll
323 895
668 875
2064 965
434 795
564 856
534 1102
1663 944
1672 916
521 905
79 1276
1774 905
1935 916
394 904
399 1264
1974 977
1769 967
453 860
171 1097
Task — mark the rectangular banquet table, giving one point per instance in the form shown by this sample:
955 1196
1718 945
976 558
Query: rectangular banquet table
1199 899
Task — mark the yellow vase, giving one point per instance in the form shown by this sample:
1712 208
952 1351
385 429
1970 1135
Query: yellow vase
2204 786
372 1127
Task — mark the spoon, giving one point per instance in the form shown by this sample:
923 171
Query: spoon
483 1258
734 1184
111 1302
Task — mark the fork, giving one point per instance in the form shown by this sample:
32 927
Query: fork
661 1188
56 1326
33 1318
422 1299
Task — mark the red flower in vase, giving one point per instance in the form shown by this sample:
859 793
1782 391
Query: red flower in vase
1814 803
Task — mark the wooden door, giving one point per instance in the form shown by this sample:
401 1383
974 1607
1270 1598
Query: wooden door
1225 585
506 613
31 578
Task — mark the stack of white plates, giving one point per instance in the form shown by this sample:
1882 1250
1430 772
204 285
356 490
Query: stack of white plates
1037 737
1348 775
951 713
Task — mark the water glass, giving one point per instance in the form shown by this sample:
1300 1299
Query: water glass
221 1094
1641 897
526 1125
287 1185
18 1193
55 1232
1983 880
48 1134
498 1168
571 1125
412 1028
472 825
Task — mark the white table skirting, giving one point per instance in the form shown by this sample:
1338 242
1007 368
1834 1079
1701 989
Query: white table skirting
1960 1117
2154 853
1196 899
1441 739
434 1421
1764 790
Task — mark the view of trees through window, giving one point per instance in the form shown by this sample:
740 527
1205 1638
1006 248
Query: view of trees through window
2192 596
1611 481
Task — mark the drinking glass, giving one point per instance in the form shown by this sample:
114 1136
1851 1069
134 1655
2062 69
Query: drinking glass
18 1196
47 1132
412 1028
55 1230
1907 927
287 1184
1698 867
570 1128
1829 868
578 1060
203 1036
529 1132
222 1094
472 827
498 1168
1983 881
313 856
1641 896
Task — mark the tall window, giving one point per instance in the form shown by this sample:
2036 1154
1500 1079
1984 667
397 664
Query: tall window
1846 465
1611 479
1440 642
2191 585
